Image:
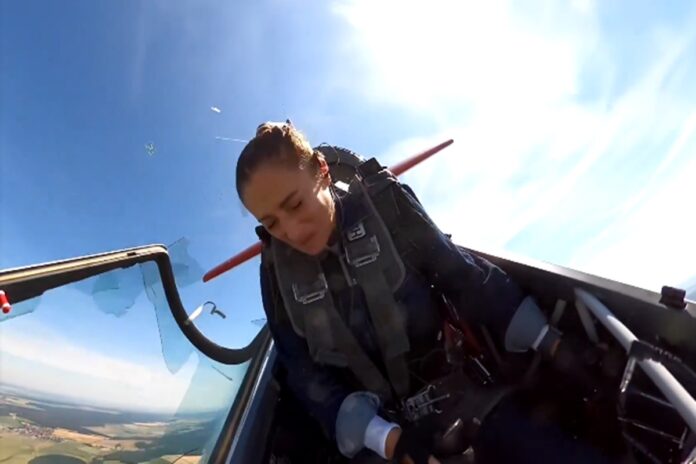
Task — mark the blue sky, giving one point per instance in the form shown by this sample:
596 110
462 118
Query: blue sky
574 126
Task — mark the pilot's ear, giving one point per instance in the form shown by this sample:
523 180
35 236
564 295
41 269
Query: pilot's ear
324 172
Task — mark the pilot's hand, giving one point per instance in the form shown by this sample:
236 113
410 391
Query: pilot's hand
412 445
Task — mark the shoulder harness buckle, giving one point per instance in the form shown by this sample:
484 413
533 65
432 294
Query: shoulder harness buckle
361 250
311 292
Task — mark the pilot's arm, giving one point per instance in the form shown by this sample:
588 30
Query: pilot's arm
481 291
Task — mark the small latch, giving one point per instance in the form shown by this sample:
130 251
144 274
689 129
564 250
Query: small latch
673 297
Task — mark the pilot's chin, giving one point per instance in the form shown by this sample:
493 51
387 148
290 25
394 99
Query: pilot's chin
314 249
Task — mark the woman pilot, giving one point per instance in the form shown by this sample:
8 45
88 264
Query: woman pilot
350 279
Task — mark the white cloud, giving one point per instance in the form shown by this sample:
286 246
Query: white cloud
530 144
215 109
426 54
474 177
585 7
654 245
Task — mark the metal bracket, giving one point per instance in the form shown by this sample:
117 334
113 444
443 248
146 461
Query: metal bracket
422 404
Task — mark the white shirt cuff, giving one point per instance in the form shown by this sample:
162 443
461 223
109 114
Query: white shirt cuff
376 435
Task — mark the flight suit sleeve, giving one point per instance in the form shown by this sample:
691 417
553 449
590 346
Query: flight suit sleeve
480 291
314 386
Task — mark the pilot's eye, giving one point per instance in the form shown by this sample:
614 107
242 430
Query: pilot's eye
297 205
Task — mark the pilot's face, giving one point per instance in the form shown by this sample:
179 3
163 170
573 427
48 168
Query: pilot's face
293 204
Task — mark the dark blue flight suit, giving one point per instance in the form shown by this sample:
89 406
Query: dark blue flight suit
481 293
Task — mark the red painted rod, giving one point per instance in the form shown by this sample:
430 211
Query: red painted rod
255 249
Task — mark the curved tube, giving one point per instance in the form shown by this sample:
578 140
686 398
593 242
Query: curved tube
664 380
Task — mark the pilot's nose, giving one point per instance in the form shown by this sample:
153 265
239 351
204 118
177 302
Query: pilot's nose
295 231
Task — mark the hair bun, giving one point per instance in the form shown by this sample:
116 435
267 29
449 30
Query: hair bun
273 128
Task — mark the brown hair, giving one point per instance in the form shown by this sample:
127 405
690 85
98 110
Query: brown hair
279 143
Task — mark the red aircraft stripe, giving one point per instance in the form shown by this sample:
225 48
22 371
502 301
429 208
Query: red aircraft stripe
255 249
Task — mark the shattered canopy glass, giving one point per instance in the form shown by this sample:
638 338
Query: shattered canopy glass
99 371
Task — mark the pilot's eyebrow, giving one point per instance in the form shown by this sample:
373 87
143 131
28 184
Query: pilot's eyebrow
282 204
